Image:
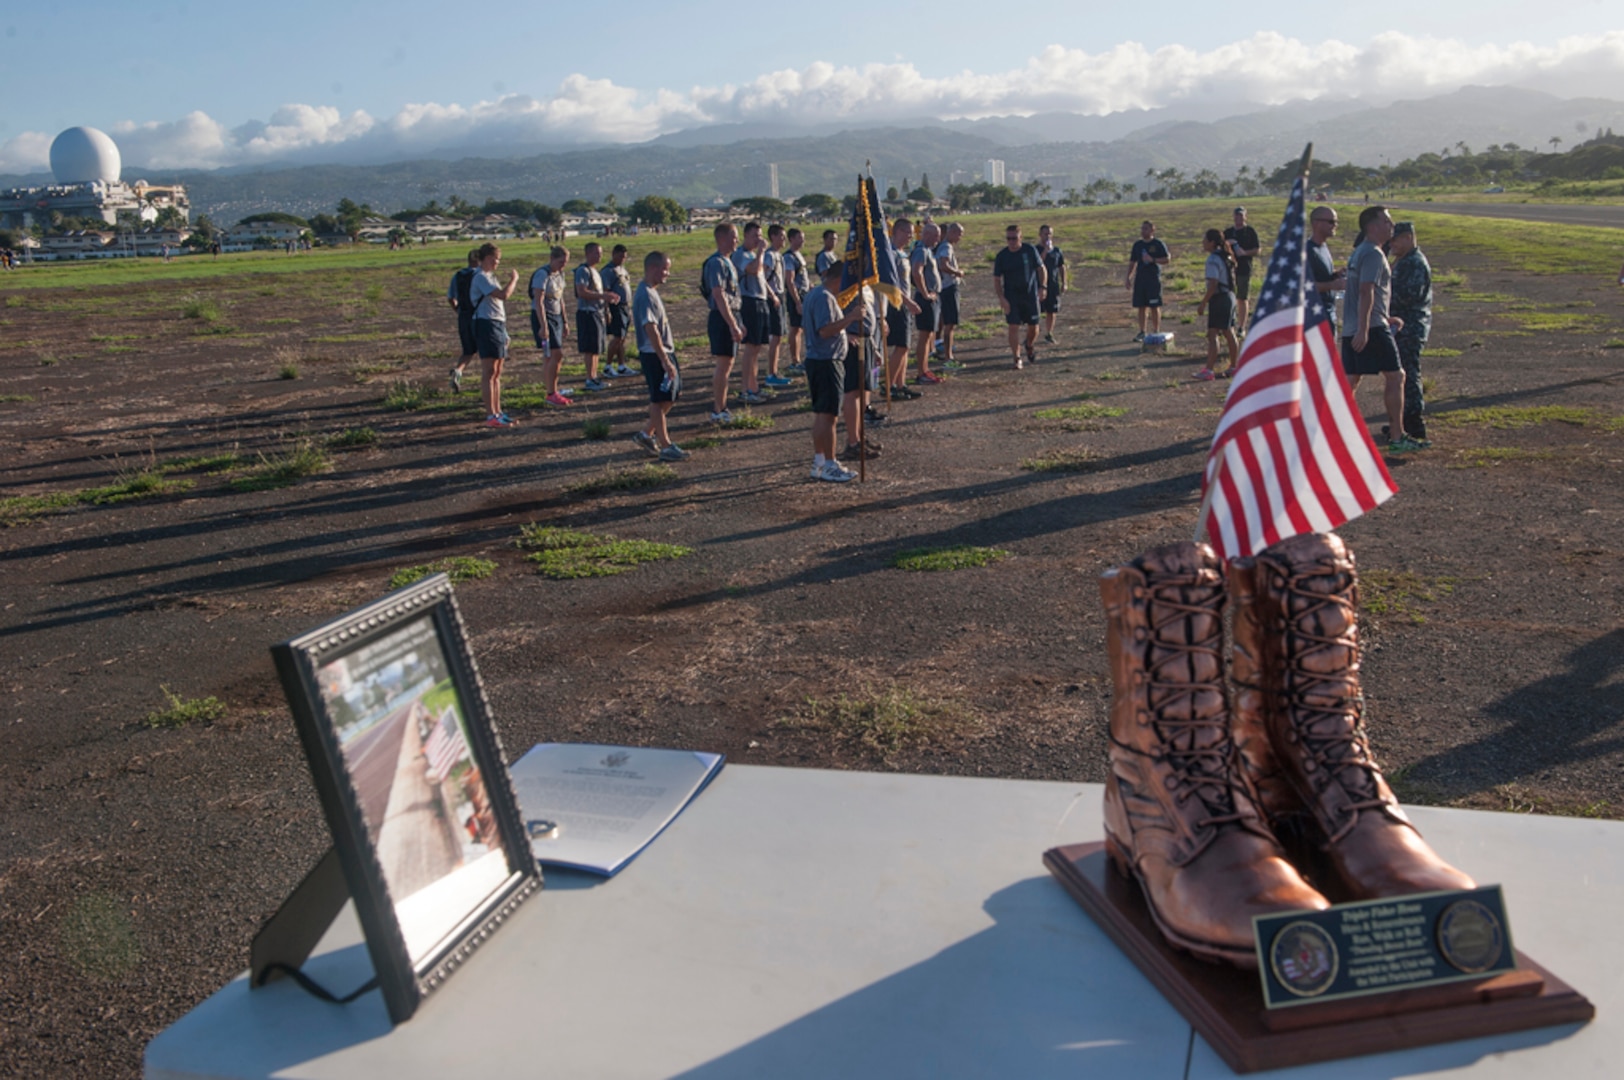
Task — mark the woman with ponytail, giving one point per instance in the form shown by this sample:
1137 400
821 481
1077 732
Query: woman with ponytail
1218 305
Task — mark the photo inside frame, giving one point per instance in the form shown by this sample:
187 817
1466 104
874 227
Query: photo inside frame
402 728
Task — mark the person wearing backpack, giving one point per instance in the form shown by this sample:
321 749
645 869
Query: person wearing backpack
463 305
1219 305
1019 279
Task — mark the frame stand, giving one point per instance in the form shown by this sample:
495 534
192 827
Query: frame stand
288 937
1225 1004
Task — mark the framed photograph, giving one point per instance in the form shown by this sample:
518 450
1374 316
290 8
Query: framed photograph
410 771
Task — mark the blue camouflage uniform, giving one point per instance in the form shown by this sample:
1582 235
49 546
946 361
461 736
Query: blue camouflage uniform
1412 302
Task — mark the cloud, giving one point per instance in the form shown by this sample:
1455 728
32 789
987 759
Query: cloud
1265 69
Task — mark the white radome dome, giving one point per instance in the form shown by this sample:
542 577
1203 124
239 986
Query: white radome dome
83 155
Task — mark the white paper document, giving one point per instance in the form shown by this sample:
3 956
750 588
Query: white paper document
595 807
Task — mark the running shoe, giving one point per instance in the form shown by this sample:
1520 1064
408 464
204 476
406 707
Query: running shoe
753 397
622 369
952 363
1403 445
906 393
835 473
796 369
1140 336
1048 339
928 378
778 381
607 371
855 452
497 421
874 419
646 441
673 453
1204 375
594 385
456 380
723 417
559 400
506 419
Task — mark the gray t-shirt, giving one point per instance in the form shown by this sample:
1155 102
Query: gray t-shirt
1218 270
538 289
795 267
924 260
721 282
1367 264
773 270
819 310
825 260
648 311
946 255
487 297
587 277
620 282
900 262
749 284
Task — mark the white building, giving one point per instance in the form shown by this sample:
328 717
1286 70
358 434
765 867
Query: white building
992 172
85 165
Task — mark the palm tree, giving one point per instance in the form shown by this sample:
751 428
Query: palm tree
1556 143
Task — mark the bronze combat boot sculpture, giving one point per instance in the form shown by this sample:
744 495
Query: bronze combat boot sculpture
1298 724
1180 815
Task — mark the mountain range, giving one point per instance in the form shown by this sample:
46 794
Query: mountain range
1066 150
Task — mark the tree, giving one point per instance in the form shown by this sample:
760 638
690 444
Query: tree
819 206
763 206
924 185
322 225
611 205
577 206
170 217
920 194
891 193
273 218
657 210
1556 143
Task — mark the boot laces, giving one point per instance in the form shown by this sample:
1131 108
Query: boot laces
1198 747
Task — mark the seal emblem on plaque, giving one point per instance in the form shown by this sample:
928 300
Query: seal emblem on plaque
1304 959
1470 936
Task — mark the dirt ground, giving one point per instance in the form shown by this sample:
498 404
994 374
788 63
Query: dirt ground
136 861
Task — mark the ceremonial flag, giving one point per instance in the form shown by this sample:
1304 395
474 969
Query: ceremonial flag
1292 454
870 258
445 746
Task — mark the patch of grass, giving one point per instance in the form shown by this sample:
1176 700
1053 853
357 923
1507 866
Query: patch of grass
1555 322
1441 354
596 428
1448 279
354 339
387 367
745 420
1186 320
688 344
282 470
703 442
180 711
565 554
119 349
403 395
1120 374
288 371
644 476
1486 457
457 568
353 439
1081 412
135 484
373 294
210 464
216 329
1079 460
19 398
1400 593
280 322
97 937
956 557
1613 343
1509 417
114 337
1488 298
882 722
200 307
47 360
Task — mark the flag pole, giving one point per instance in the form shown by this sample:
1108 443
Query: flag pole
1218 466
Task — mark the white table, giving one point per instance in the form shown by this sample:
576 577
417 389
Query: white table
800 923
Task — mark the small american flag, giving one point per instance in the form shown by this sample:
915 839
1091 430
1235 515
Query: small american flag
1292 453
445 747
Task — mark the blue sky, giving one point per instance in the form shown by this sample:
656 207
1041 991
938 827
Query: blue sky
212 84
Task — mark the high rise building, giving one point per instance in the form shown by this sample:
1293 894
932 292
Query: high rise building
993 172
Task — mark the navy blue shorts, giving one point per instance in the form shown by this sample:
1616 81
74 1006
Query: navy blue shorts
823 385
775 320
1051 303
1221 310
465 334
753 313
555 331
654 375
721 338
491 338
618 320
930 315
589 333
950 306
1146 292
1380 354
898 329
793 315
1023 310
535 330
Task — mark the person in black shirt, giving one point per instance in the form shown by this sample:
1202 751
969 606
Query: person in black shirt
1144 278
1329 279
1019 279
1242 241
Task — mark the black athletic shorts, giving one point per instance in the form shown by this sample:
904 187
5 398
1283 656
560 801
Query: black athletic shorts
775 320
555 331
753 313
1243 278
823 384
793 315
1146 292
536 331
654 375
929 319
491 338
1380 354
898 329
1051 303
1022 310
1221 310
465 334
721 338
950 306
618 320
589 333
